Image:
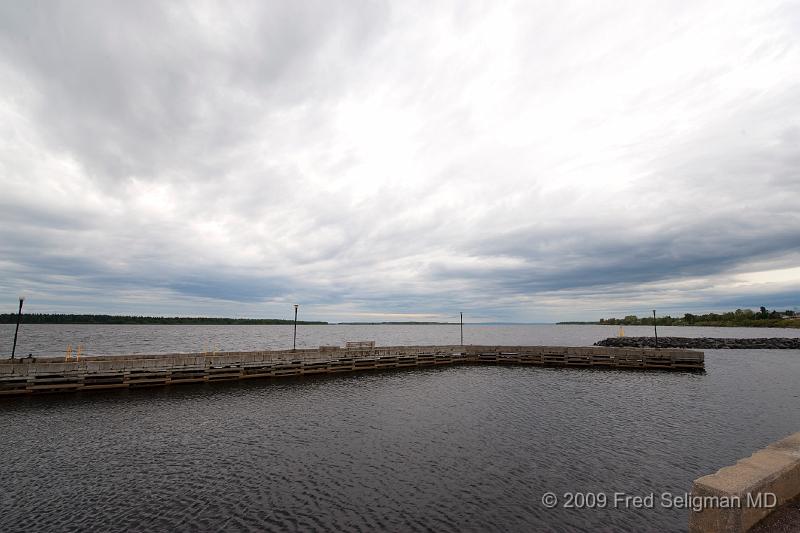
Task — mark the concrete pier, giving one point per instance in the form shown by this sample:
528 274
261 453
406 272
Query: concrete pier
54 374
739 497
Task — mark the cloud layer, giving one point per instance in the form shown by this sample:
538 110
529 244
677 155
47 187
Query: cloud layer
525 161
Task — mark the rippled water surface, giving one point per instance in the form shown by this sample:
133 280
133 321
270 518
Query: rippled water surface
467 448
52 339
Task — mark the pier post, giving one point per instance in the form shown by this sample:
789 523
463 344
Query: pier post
19 317
294 338
655 328
462 329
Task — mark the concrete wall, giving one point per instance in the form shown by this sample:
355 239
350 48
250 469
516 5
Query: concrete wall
774 470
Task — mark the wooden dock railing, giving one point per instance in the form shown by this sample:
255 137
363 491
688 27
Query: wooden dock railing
53 374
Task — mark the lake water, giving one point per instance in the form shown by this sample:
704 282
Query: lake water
52 339
466 448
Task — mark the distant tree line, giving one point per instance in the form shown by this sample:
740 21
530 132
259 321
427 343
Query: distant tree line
55 318
395 323
739 318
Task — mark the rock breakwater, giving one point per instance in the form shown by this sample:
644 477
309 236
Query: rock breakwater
707 343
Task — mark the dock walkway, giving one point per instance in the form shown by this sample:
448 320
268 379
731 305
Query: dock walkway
54 374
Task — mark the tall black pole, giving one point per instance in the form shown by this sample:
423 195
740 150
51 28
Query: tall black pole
19 317
655 328
462 329
294 340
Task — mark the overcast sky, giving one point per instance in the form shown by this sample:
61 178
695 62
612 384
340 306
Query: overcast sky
530 161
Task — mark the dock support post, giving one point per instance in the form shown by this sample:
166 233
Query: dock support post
294 339
19 317
462 329
655 328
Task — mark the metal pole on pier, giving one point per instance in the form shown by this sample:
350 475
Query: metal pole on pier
294 339
655 328
462 329
19 317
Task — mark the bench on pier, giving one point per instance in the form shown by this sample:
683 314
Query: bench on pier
359 347
368 345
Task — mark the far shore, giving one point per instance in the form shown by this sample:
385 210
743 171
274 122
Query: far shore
783 324
732 320
741 318
52 318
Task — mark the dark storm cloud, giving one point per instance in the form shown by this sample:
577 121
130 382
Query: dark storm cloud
584 258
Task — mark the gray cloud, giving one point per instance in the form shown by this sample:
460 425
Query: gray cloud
145 89
521 161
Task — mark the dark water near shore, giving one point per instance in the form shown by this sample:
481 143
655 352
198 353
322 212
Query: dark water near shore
467 448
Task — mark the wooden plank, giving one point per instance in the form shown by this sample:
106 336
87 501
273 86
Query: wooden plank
15 392
105 386
55 386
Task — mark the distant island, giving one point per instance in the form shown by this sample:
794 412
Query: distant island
53 318
741 318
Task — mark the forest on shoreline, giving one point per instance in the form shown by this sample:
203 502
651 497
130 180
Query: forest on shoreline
741 318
